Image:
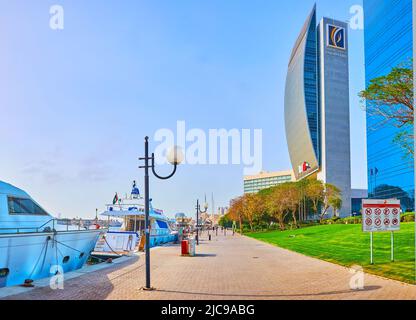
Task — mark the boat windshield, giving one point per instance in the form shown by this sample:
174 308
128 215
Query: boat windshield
21 206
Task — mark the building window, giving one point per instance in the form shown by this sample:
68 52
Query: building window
4 272
20 206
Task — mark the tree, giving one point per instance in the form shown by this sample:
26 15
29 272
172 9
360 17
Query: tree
235 213
336 204
252 208
293 198
331 199
314 191
225 222
276 204
391 98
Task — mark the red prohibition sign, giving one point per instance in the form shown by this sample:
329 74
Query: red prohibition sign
395 222
378 212
395 212
378 222
387 211
369 212
386 222
368 222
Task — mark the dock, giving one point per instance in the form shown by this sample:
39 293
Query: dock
226 268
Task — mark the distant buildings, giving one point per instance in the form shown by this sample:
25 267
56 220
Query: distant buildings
182 221
254 184
317 114
388 43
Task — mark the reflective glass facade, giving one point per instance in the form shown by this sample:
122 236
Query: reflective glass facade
311 83
301 105
388 43
317 110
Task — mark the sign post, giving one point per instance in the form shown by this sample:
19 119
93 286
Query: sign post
371 248
392 246
381 216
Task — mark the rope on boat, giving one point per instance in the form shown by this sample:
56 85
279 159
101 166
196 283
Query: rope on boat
98 258
119 255
37 262
69 247
105 239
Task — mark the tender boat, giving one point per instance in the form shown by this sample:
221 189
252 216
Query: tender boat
130 211
33 245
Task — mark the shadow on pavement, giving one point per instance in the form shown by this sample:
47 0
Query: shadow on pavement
96 285
205 255
228 295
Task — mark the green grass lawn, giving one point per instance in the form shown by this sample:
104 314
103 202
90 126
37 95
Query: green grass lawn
347 245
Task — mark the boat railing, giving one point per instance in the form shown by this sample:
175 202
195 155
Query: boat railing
49 226
131 208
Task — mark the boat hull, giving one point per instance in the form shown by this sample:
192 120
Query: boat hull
119 242
40 255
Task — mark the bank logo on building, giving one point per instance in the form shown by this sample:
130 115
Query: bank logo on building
336 37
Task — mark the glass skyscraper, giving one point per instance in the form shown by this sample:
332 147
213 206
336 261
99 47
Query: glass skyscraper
317 117
388 43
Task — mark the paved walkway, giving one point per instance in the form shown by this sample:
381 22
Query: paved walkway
226 268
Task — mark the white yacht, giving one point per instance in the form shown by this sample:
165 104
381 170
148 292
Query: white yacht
130 211
33 245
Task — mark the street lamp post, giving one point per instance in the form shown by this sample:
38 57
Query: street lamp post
175 157
198 212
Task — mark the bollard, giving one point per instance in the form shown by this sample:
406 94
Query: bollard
185 247
192 248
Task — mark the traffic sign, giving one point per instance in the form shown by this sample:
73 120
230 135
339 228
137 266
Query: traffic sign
381 215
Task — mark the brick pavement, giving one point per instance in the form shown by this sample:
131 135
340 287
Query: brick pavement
235 268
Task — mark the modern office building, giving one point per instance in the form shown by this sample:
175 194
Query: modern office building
414 76
388 43
254 184
357 196
317 114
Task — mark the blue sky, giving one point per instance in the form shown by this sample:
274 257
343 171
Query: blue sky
77 103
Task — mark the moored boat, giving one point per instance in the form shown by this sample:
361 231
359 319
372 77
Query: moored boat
130 211
33 245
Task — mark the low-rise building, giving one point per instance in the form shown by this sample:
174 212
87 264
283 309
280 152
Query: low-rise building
265 180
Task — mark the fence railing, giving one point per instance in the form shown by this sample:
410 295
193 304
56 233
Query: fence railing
53 225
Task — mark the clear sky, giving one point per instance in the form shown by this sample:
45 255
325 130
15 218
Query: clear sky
76 104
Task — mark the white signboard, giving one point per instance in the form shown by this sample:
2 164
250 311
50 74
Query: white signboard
381 215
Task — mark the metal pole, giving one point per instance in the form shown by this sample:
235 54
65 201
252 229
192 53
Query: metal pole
146 210
392 246
371 248
197 222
